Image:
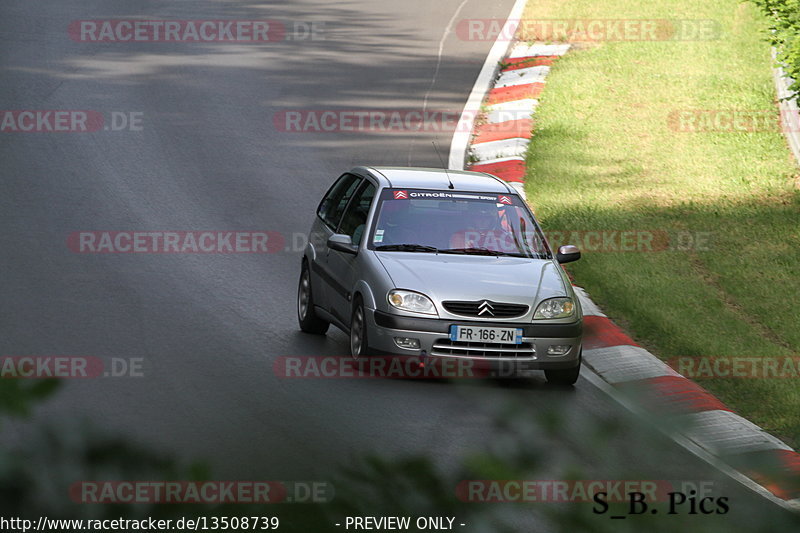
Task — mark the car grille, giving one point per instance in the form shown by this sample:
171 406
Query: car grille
447 347
485 309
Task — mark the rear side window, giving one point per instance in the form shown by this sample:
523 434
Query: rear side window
332 206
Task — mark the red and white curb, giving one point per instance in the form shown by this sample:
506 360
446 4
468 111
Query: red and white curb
505 125
486 78
702 419
509 86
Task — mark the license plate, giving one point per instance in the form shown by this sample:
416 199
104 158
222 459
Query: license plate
486 334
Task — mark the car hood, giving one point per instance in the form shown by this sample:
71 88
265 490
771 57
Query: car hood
468 277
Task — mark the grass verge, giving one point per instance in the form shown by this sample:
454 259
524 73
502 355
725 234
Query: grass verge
608 153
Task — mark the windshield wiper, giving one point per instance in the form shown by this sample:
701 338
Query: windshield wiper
478 251
406 248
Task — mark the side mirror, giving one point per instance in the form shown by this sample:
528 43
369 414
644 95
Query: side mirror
568 254
342 243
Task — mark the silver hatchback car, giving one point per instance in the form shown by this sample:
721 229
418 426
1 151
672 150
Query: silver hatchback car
439 264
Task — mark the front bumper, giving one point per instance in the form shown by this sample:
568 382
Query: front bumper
434 338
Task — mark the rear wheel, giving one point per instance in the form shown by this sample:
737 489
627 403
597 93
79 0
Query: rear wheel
306 316
564 376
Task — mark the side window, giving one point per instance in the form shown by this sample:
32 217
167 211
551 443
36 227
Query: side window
355 218
332 206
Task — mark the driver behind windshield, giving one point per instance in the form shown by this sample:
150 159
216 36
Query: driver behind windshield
484 230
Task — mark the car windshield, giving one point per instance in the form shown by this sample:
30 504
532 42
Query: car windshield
456 223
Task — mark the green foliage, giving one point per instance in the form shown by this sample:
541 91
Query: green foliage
535 442
18 395
784 17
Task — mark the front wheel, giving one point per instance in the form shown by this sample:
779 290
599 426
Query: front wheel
564 376
306 316
358 330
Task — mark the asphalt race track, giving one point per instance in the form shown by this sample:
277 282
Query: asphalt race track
208 156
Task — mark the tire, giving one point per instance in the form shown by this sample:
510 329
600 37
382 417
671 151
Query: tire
306 316
358 330
564 376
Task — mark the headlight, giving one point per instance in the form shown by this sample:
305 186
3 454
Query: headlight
555 308
411 301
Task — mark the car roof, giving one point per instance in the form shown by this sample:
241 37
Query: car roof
436 179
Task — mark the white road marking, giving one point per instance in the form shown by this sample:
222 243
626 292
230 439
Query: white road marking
516 146
523 76
724 433
617 364
447 30
514 110
687 444
588 306
461 137
533 50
